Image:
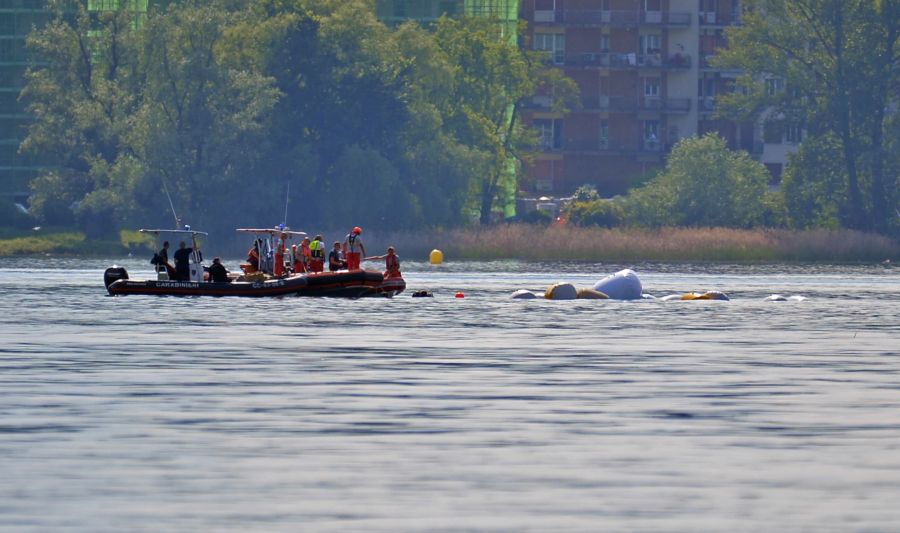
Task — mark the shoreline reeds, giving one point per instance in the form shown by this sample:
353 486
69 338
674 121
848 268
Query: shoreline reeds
555 243
539 243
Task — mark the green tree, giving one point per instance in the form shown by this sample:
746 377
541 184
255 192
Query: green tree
703 184
344 90
81 101
596 212
129 109
838 60
203 122
490 77
815 184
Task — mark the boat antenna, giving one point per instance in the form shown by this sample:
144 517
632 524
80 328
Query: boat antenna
287 197
174 214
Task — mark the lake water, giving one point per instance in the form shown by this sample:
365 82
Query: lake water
443 414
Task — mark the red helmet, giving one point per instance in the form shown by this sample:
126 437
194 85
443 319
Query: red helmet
357 230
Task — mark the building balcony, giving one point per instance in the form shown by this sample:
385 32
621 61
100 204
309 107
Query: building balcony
665 105
707 63
713 18
631 60
641 148
599 17
625 104
537 102
587 145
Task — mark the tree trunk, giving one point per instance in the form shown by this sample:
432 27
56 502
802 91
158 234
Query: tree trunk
855 215
487 201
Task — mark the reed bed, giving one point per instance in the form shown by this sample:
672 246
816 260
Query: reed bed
538 243
542 243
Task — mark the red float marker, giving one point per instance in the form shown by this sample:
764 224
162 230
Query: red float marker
460 294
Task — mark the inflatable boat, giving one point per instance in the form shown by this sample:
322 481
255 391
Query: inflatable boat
343 284
269 278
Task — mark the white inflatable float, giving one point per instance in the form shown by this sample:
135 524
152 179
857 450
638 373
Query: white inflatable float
780 298
523 294
623 285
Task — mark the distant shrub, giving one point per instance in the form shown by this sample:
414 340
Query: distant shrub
538 216
586 193
602 213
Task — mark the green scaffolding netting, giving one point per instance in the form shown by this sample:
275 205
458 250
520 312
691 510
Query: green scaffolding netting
135 6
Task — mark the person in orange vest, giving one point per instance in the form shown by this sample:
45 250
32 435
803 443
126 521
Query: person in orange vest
317 255
253 258
353 245
391 263
305 254
279 257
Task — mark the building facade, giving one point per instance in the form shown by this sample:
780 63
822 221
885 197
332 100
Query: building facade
646 78
17 19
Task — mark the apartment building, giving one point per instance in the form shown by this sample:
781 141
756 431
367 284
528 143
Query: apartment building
17 19
646 78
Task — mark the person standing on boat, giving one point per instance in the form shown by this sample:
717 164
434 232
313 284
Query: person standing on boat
317 255
305 253
217 271
161 261
299 265
182 262
336 258
391 263
253 257
353 245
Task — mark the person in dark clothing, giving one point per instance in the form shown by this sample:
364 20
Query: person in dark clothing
161 261
217 271
336 258
182 262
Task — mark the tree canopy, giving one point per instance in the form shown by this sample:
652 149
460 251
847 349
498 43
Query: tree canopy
830 67
228 104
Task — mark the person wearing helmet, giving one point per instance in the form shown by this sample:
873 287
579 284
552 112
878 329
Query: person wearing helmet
353 248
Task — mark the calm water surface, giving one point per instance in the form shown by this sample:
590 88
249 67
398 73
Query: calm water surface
483 413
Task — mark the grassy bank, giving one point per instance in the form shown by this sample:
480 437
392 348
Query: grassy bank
65 242
539 243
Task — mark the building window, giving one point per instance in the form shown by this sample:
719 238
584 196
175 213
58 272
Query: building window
604 44
651 135
552 43
651 87
793 134
603 134
650 43
774 86
549 133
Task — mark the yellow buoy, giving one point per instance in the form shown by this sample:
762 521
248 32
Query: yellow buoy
436 257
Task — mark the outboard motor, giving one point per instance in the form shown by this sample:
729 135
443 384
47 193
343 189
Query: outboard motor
113 274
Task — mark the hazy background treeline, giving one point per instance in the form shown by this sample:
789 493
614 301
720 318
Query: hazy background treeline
227 104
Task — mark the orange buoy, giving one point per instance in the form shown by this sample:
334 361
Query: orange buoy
460 294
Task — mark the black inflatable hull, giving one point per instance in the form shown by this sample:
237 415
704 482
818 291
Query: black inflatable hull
388 288
353 284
